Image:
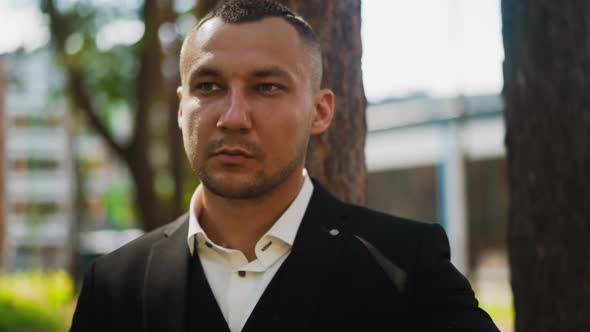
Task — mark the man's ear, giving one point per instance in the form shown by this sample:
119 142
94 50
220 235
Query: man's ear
324 111
180 119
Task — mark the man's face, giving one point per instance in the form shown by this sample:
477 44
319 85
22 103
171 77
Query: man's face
247 107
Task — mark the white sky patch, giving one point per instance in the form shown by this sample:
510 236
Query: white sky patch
74 43
183 5
184 23
441 47
22 27
119 32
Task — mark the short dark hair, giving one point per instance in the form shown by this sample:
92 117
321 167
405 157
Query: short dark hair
244 11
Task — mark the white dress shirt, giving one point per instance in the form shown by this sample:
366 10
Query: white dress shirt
236 283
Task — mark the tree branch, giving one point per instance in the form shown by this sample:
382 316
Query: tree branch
76 84
82 101
149 77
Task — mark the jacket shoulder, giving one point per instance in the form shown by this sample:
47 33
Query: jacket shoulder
400 239
378 225
134 254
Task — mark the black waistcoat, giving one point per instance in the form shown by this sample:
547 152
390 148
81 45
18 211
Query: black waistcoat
203 312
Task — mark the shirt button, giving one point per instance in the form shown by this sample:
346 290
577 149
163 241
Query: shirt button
242 273
334 232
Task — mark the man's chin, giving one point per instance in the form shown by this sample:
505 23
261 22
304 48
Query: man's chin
234 192
244 183
233 186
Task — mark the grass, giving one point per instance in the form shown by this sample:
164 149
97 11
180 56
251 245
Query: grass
498 304
35 301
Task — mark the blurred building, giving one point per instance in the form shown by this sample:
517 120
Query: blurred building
37 164
45 210
442 160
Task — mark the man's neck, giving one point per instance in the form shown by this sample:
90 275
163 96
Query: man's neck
240 223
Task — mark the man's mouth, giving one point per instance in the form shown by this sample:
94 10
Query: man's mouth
233 152
232 155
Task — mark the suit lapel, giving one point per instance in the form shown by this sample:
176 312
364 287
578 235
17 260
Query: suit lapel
165 280
292 296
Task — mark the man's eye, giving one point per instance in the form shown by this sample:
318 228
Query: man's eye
268 87
207 86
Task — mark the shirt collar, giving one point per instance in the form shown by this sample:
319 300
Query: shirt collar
284 229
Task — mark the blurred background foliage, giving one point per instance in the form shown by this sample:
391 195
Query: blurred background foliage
36 301
121 73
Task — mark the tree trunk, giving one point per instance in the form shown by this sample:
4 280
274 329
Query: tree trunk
337 158
176 155
143 178
547 79
178 163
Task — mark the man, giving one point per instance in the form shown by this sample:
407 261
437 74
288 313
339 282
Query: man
263 247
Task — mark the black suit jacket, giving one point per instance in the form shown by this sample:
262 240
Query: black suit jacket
350 269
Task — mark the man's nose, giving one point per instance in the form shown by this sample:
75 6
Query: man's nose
237 116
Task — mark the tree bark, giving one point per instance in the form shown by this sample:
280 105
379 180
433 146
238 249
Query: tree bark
149 86
547 79
337 158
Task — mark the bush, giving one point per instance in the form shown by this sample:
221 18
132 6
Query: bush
35 301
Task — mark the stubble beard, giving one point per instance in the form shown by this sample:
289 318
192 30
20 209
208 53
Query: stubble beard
259 185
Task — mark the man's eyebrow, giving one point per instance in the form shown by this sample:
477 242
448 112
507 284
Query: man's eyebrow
203 71
272 71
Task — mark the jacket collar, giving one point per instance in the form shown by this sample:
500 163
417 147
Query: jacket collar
164 292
